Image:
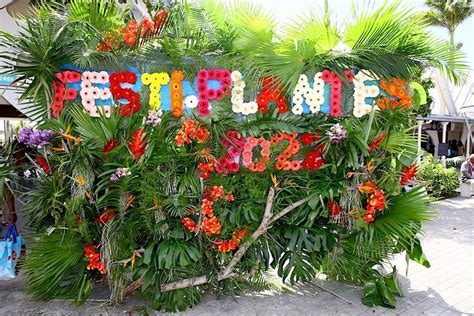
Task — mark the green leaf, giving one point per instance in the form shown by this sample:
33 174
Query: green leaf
416 254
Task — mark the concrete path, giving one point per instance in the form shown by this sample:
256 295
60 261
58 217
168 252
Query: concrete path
444 289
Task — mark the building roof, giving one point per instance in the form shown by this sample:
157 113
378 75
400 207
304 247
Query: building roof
7 110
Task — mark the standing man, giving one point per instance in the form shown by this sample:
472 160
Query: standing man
467 172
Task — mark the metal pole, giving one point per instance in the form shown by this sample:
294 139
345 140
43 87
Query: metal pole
420 126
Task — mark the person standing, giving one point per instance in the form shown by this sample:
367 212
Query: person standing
460 148
453 148
467 170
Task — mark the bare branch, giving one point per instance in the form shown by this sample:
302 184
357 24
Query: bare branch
227 272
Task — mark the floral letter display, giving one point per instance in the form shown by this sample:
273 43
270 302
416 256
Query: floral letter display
323 94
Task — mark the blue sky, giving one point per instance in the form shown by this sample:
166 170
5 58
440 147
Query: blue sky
285 10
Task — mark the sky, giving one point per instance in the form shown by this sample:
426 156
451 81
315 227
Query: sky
286 10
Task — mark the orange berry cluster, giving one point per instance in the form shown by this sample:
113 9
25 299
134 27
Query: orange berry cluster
283 162
176 89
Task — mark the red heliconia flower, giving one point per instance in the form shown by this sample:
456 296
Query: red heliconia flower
377 141
334 208
137 143
105 216
43 163
109 145
408 173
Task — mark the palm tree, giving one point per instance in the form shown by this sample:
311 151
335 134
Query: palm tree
449 14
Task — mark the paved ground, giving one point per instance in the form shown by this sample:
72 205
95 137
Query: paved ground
444 289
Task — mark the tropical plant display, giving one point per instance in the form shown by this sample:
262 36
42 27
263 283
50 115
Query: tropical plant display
195 150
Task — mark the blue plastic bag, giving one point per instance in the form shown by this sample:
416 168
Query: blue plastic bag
10 251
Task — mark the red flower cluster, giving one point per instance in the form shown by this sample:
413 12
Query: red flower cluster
133 98
206 207
309 138
205 94
334 208
313 159
60 93
272 92
283 162
377 141
211 226
137 143
234 142
189 224
191 130
110 145
376 201
91 253
408 173
206 168
210 223
230 245
128 35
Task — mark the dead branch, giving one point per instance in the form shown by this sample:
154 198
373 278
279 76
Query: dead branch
268 219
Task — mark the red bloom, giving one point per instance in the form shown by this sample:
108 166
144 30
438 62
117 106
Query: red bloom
368 218
216 192
334 208
367 187
43 163
230 197
408 173
377 141
104 217
308 138
377 200
211 226
189 224
202 135
137 143
111 144
206 207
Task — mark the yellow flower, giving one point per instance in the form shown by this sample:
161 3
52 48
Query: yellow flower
146 78
80 180
370 166
155 87
274 180
163 78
